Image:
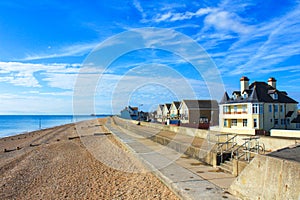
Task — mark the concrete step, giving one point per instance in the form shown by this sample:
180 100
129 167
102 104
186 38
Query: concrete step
222 168
227 167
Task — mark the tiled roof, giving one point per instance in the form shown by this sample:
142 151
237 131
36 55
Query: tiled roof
260 92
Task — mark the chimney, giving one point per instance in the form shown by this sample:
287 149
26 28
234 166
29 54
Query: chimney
272 82
244 83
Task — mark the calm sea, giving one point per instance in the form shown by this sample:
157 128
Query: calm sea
16 124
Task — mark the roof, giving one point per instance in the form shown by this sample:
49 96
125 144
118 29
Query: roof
289 114
133 108
260 92
176 103
244 78
296 120
197 104
160 106
168 105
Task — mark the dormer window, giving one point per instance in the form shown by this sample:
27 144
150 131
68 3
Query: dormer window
274 96
245 95
236 94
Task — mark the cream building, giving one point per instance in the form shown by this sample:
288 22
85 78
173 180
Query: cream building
174 110
159 113
256 109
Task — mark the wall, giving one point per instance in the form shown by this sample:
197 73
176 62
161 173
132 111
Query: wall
285 133
270 143
268 178
241 131
279 115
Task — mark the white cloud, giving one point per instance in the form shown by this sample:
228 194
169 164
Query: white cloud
274 42
23 74
225 21
172 17
72 50
138 6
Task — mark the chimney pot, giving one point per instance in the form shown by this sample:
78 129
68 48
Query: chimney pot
244 83
272 82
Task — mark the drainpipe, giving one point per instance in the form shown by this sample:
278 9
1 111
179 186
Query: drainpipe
285 121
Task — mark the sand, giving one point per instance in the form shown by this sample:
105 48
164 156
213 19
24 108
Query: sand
57 164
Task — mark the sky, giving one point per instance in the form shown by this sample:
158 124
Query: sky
65 57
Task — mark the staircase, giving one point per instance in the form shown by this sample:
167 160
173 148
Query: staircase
227 166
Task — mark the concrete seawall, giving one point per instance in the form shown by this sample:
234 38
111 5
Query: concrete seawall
271 143
268 178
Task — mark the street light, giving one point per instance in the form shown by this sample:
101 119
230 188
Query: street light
139 115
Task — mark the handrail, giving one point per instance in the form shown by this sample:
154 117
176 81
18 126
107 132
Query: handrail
221 144
244 145
248 148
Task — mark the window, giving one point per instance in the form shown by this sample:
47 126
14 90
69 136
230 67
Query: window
203 120
225 123
282 121
254 123
226 109
281 108
234 122
298 125
261 109
244 108
275 96
245 95
255 108
270 108
235 109
276 121
244 122
288 121
275 108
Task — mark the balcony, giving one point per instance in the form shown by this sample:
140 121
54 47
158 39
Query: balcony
235 113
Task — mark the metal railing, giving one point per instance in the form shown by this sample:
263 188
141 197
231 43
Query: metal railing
250 147
229 144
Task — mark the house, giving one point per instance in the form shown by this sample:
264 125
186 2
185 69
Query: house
198 113
130 113
174 110
144 116
159 113
296 120
166 112
257 108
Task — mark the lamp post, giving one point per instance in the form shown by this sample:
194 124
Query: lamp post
139 115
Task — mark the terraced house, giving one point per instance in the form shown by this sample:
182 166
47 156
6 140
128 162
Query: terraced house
257 108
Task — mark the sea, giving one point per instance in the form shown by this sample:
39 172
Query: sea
16 124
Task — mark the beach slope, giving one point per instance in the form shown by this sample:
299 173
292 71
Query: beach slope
55 164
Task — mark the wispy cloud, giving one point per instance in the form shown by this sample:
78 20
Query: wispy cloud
139 7
170 16
72 50
278 41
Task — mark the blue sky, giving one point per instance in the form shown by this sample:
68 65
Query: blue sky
44 45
